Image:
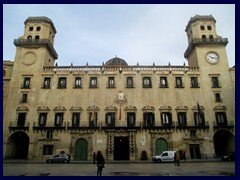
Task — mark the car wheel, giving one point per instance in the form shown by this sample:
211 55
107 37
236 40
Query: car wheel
158 160
65 161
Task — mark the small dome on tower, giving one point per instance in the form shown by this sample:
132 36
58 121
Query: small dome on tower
116 61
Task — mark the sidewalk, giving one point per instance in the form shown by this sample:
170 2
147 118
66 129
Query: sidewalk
107 162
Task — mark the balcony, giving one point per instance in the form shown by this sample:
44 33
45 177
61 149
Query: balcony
204 41
122 125
82 126
36 43
226 125
192 125
159 125
13 126
49 126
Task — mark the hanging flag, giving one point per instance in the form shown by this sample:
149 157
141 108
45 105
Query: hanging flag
199 108
120 113
199 118
93 115
146 117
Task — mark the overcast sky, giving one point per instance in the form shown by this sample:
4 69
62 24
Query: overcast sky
137 33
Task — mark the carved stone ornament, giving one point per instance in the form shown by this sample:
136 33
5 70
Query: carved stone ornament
121 98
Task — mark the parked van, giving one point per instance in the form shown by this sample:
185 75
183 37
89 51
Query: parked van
166 156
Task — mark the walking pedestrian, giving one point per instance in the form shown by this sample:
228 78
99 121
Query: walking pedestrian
100 163
178 158
175 159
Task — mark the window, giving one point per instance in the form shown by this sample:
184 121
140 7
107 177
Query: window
166 118
111 82
62 82
204 36
215 82
193 133
147 82
38 28
199 118
129 82
30 28
130 119
221 118
209 28
49 134
75 119
21 119
47 149
163 82
165 154
29 37
211 36
37 37
26 83
110 119
58 119
4 73
179 83
24 98
93 82
194 82
148 119
218 97
46 83
78 82
93 117
182 118
202 27
42 119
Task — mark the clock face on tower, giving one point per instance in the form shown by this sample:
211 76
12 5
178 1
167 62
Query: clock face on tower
212 57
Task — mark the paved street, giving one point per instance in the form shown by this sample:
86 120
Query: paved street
215 168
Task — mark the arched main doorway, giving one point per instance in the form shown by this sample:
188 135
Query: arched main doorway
224 142
160 146
17 146
81 149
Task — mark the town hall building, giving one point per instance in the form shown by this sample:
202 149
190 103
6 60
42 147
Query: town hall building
129 112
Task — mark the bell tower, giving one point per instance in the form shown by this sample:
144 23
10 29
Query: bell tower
35 49
205 49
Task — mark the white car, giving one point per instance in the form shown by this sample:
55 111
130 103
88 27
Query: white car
166 156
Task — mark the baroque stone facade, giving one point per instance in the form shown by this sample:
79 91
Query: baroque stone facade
129 112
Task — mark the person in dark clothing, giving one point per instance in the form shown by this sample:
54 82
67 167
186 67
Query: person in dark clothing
175 159
100 163
94 158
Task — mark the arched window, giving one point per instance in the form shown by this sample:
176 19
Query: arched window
210 36
37 37
29 37
4 73
204 36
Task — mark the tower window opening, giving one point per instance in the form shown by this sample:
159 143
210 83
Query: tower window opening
38 28
209 27
204 36
202 27
29 37
210 36
30 28
37 37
